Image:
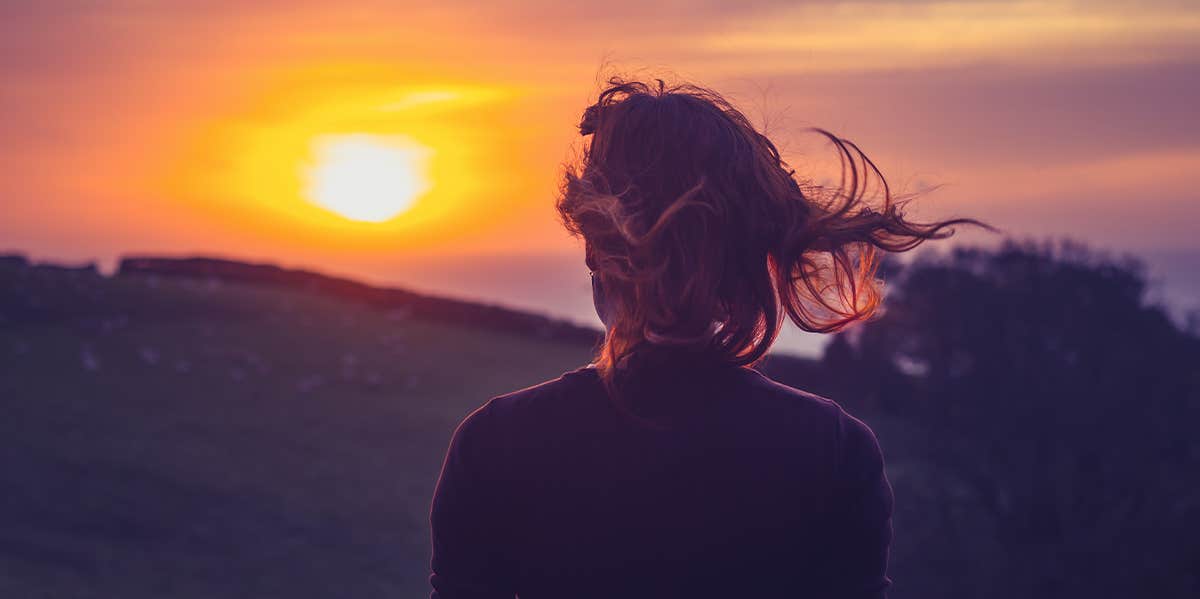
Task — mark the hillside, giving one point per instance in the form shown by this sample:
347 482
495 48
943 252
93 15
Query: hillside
205 428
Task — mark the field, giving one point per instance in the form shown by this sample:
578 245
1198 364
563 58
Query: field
194 438
203 428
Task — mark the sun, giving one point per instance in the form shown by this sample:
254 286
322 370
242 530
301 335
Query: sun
368 178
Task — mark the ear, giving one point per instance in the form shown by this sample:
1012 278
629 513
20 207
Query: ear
589 256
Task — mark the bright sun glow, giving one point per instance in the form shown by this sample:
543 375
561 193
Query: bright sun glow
371 178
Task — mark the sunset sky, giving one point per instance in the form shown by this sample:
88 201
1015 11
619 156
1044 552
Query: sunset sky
208 127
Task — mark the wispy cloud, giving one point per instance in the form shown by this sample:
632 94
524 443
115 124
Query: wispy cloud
889 35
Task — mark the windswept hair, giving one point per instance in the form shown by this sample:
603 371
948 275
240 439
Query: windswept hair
703 238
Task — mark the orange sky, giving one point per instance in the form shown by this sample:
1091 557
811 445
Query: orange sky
183 127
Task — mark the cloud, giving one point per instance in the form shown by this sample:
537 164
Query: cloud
907 35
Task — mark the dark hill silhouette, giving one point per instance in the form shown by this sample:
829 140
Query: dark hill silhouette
13 261
213 429
415 304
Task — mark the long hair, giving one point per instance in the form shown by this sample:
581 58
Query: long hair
704 240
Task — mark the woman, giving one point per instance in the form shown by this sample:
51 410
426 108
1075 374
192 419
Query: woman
670 467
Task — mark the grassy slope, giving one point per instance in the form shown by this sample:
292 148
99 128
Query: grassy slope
229 441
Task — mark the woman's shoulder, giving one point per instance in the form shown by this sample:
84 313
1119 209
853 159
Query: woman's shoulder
848 433
780 397
550 394
568 384
751 397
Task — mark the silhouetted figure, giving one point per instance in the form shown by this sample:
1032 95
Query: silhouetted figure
670 467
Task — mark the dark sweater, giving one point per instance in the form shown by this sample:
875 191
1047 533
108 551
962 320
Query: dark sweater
756 489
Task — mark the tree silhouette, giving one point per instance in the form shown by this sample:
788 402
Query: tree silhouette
1048 399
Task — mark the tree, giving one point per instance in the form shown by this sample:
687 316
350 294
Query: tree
1057 401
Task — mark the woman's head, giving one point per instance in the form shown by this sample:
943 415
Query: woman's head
703 240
